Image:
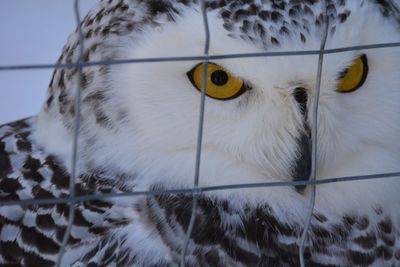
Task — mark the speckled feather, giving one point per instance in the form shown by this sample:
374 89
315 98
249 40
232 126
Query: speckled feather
31 235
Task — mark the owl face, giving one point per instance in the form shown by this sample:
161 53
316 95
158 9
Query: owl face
258 110
262 123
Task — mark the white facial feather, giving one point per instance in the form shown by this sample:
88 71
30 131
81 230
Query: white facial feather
252 138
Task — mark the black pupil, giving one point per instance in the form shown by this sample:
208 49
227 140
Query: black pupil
343 73
219 77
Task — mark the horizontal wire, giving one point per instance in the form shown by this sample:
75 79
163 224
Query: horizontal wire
194 58
27 202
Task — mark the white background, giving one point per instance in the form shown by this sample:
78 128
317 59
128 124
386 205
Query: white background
31 32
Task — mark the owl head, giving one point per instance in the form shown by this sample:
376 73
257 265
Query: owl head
142 118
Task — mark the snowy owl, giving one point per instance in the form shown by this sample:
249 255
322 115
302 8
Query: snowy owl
139 133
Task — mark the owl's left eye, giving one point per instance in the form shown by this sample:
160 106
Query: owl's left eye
220 84
354 76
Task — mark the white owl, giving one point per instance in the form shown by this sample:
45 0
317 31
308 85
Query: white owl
139 126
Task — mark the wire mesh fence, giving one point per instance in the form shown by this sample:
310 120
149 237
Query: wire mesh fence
72 199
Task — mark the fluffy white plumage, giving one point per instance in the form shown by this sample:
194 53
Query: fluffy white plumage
139 132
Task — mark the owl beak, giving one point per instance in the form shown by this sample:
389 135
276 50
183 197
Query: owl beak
302 168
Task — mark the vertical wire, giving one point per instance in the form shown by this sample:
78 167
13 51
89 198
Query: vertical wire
200 132
77 105
314 133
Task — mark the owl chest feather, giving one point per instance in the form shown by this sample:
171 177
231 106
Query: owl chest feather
108 231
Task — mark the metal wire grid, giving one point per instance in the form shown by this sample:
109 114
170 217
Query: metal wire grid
71 200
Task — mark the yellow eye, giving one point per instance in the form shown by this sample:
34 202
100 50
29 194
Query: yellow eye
220 85
354 76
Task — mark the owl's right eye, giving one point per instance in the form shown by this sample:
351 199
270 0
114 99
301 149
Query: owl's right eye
220 84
